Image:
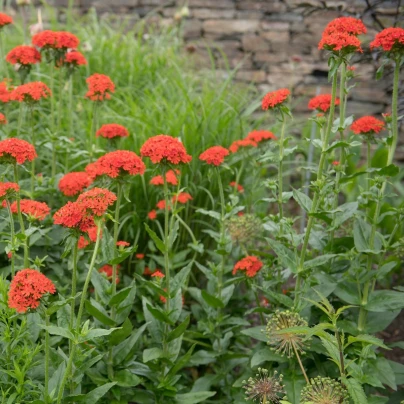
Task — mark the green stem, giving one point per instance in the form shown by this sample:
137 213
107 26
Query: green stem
222 233
257 301
280 176
79 315
20 115
300 363
21 221
47 357
33 161
12 236
368 177
341 351
60 103
93 138
4 66
52 125
316 198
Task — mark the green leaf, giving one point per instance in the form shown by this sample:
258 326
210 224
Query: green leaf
122 256
266 355
100 316
119 296
318 261
119 335
125 378
180 278
180 363
384 300
159 315
53 330
257 333
55 306
101 285
107 247
286 256
193 398
303 200
280 298
159 243
96 333
210 213
361 232
367 339
355 390
212 300
347 210
92 397
152 354
177 332
389 171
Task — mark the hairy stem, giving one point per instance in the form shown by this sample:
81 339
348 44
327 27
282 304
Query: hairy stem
33 161
222 233
300 363
12 236
280 176
47 358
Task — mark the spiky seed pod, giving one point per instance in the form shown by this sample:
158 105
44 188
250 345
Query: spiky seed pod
244 229
284 342
323 390
264 388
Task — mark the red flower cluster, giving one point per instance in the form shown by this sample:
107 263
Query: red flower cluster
111 130
92 236
240 188
30 92
108 271
164 148
5 20
367 125
122 244
3 119
214 155
242 143
275 98
152 215
161 204
96 200
171 178
100 87
182 197
259 136
8 189
349 25
249 264
18 150
390 39
73 183
33 209
27 288
139 256
117 163
73 216
55 40
74 59
24 55
157 274
322 102
4 92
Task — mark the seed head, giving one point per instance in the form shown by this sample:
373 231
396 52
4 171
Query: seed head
323 390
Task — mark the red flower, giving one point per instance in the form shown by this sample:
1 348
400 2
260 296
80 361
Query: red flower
337 41
161 204
347 25
119 163
139 256
30 92
147 271
100 87
111 130
164 148
4 92
390 39
242 143
55 40
108 271
182 197
275 98
122 244
74 59
322 102
214 155
92 236
8 189
96 200
73 216
73 183
157 274
258 136
18 150
367 125
152 215
23 55
335 163
27 288
5 20
92 170
249 264
67 40
3 119
33 209
240 214
82 243
239 187
171 178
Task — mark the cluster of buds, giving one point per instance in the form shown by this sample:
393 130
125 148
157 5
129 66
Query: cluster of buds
324 390
244 229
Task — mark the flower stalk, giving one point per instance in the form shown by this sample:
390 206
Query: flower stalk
280 175
12 236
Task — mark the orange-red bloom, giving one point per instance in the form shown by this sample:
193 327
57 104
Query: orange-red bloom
30 92
259 136
242 143
152 215
3 119
119 163
92 236
182 197
74 59
348 25
4 92
335 163
96 200
27 288
8 189
73 215
23 55
214 155
122 244
161 204
100 87
322 102
16 150
164 148
111 130
390 40
240 188
250 264
33 209
367 125
171 178
157 274
67 40
5 20
73 183
108 271
337 41
275 98
55 40
139 256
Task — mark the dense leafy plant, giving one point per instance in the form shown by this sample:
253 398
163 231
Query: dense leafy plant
155 268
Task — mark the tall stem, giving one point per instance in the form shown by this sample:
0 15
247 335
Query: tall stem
52 125
33 161
93 138
222 233
316 198
47 356
300 363
60 103
21 221
12 236
280 176
79 315
20 115
368 177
